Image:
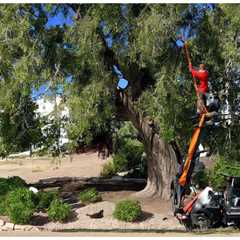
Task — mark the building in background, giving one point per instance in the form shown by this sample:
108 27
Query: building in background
52 110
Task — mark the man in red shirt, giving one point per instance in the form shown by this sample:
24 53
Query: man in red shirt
202 76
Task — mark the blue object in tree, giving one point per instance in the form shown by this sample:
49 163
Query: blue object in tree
122 83
180 43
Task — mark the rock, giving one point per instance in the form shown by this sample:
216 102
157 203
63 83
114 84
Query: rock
27 227
98 214
9 225
37 229
2 222
4 228
33 189
18 227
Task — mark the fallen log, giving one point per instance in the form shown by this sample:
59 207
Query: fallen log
68 184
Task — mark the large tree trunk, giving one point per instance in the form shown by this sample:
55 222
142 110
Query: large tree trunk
161 157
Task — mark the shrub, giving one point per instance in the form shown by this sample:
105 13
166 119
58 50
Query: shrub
20 205
44 199
9 184
201 178
127 210
4 186
16 181
129 152
3 210
59 211
133 150
90 196
223 167
120 163
108 170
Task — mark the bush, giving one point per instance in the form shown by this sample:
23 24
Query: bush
16 182
201 178
130 153
223 166
90 196
132 150
20 205
127 210
108 170
4 186
59 211
44 200
120 163
3 209
10 184
130 156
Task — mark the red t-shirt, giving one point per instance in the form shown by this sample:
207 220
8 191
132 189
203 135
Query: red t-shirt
202 76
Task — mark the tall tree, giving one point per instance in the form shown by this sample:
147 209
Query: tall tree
19 127
139 39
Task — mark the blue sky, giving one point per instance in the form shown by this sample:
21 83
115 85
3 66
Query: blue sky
53 21
60 19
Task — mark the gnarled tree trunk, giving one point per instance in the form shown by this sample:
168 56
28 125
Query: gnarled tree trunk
161 158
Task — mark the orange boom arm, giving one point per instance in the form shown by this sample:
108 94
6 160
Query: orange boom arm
191 151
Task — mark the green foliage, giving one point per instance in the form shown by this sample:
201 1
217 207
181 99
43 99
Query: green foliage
45 199
90 195
108 169
4 186
129 152
125 131
20 205
90 114
120 162
9 184
16 181
127 210
223 167
3 206
132 150
59 211
201 178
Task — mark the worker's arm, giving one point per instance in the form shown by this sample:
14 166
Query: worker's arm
192 70
194 74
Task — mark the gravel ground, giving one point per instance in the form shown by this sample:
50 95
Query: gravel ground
82 221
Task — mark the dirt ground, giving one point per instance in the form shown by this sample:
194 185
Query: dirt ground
35 168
